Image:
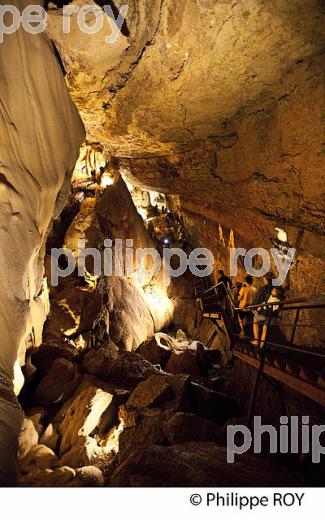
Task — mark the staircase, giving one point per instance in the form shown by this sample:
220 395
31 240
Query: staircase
300 367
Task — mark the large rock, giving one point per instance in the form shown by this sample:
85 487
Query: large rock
28 437
148 431
45 356
207 358
198 464
37 415
211 404
185 427
73 311
155 350
150 393
183 362
181 398
59 384
130 369
88 476
38 457
173 394
100 361
130 321
50 437
82 416
59 477
206 332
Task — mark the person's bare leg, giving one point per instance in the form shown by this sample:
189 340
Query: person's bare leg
256 332
263 336
241 323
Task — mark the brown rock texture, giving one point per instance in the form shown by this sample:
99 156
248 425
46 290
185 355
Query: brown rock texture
218 104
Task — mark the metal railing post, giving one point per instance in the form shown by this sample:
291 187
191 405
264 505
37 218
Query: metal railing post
294 327
258 375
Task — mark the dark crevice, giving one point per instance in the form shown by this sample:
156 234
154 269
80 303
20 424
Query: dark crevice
124 29
58 57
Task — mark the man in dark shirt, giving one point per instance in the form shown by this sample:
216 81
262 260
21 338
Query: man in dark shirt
225 279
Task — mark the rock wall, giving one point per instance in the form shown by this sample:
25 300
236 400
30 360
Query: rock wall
267 172
221 104
40 137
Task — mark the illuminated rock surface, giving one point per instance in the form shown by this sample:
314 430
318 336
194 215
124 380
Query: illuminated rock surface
218 106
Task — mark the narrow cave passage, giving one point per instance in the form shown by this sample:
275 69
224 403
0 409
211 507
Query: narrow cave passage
162 252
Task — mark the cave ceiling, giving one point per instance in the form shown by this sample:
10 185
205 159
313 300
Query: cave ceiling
187 69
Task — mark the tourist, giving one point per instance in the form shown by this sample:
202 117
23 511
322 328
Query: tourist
222 278
246 298
260 316
272 313
235 293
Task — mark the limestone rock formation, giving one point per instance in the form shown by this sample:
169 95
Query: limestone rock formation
38 148
218 105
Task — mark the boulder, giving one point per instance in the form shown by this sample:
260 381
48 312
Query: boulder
100 361
73 311
50 437
185 427
38 457
28 438
155 350
206 331
130 369
81 454
220 341
198 464
206 357
45 356
150 393
59 384
177 397
181 398
211 404
37 415
82 416
130 321
183 362
149 431
88 476
59 477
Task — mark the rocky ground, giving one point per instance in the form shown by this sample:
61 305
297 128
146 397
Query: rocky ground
152 417
130 386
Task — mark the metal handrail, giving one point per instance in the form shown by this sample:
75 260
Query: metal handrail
298 304
279 303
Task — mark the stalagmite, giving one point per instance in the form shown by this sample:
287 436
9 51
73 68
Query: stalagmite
39 142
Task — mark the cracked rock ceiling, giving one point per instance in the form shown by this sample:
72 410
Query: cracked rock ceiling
218 101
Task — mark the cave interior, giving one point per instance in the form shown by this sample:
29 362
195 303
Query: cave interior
200 127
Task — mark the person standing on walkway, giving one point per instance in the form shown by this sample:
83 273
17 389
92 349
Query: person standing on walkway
246 298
